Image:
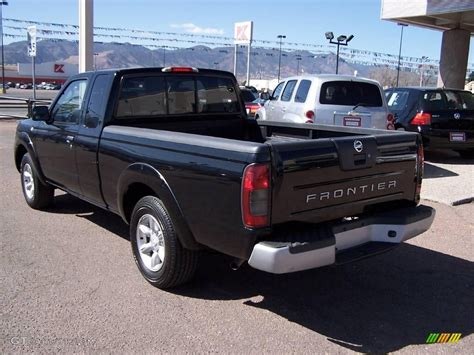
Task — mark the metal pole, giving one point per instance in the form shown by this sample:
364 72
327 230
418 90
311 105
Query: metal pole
235 60
337 58
33 76
279 61
248 63
164 57
3 61
400 51
86 35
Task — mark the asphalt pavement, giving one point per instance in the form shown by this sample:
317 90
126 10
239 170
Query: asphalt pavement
69 284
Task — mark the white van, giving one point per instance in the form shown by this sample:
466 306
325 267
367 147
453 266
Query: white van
330 99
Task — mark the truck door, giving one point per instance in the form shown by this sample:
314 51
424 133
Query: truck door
87 140
54 142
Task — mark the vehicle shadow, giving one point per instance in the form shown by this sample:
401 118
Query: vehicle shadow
67 204
432 171
379 305
446 157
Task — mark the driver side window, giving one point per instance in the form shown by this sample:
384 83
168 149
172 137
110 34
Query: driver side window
68 107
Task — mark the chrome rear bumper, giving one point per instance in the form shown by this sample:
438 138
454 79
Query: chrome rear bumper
348 241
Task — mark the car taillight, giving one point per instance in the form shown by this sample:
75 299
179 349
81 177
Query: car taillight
421 119
179 70
420 164
309 114
256 196
390 120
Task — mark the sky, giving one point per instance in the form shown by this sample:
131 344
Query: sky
303 21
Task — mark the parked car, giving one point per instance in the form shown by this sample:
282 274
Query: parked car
328 99
443 117
251 100
173 152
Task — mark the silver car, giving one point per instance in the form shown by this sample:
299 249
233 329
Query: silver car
328 99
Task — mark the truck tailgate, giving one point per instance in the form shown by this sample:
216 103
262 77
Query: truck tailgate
324 179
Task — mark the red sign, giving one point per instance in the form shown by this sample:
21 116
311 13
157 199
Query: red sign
59 68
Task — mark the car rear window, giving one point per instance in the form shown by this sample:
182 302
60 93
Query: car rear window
149 96
459 100
302 92
397 99
350 93
247 95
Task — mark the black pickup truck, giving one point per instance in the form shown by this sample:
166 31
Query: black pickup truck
172 151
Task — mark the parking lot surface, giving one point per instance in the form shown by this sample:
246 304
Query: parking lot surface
69 284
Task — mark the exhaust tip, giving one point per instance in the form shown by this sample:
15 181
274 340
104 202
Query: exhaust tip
236 264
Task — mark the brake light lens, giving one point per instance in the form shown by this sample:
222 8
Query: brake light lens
256 196
252 108
390 121
179 70
309 114
421 119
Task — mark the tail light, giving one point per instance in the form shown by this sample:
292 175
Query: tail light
252 108
310 114
421 119
390 121
256 196
420 164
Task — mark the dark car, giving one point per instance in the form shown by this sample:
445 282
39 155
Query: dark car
443 117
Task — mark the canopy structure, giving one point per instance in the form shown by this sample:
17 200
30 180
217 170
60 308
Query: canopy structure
454 18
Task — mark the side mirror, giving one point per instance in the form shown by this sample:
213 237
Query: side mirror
40 113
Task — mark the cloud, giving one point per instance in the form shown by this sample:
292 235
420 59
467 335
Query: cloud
192 28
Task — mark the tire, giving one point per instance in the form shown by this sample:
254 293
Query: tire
37 195
466 154
157 251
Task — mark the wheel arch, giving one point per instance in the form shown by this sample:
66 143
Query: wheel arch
140 180
25 145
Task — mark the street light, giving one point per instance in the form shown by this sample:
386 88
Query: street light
2 3
424 59
298 59
342 40
400 50
280 37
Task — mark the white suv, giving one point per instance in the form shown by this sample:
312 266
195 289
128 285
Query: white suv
328 99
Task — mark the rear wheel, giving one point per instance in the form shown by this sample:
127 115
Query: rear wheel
159 255
466 154
37 195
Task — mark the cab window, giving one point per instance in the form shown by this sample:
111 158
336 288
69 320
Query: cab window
69 105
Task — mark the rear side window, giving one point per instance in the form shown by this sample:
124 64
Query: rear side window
142 96
277 91
98 97
397 100
290 86
216 95
350 93
302 92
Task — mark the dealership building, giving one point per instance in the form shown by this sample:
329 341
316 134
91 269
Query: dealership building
454 18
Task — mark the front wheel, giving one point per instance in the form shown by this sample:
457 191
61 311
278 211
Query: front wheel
36 194
159 255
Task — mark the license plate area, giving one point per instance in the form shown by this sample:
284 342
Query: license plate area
457 137
352 121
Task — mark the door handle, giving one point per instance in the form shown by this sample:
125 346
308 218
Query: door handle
69 139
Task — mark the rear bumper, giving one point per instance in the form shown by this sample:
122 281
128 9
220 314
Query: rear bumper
345 242
440 138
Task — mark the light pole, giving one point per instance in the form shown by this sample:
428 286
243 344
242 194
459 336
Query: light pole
164 57
400 50
2 3
95 61
280 37
342 40
298 60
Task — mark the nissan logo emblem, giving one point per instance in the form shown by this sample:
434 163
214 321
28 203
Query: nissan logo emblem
457 116
358 146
